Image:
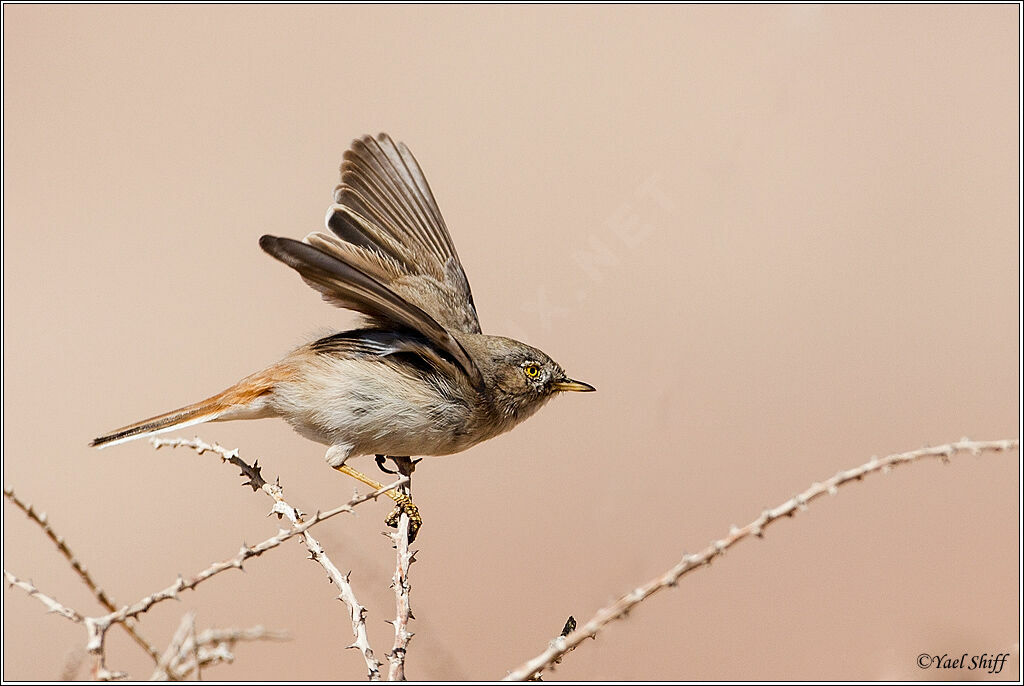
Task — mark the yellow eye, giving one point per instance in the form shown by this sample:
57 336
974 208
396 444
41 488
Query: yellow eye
532 371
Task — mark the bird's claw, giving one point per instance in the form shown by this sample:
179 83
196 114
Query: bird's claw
406 506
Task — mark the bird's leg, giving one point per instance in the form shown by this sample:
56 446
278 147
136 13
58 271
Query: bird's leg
401 497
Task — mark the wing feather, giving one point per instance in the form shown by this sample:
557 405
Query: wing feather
385 204
344 284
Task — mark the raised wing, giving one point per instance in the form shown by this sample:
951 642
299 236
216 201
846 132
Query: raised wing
385 221
345 285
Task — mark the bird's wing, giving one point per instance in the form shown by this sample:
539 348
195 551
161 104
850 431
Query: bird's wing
385 221
382 343
344 283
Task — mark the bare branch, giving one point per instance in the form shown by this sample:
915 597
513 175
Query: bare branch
400 583
106 601
96 627
185 630
51 604
196 443
532 669
357 613
235 562
232 636
213 646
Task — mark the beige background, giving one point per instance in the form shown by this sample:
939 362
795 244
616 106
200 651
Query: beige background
779 240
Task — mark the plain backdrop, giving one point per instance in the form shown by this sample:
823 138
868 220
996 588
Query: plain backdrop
779 240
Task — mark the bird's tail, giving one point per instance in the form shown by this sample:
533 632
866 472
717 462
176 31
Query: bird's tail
245 400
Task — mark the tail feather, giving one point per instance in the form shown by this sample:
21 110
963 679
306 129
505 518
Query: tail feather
198 413
244 400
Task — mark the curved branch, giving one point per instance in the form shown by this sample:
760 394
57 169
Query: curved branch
532 669
356 611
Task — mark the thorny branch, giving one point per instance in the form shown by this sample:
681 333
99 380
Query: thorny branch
97 627
194 650
214 645
400 583
188 652
51 604
357 613
106 601
532 669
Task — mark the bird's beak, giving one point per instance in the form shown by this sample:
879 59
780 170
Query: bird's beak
570 385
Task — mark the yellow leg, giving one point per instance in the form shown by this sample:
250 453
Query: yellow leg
403 501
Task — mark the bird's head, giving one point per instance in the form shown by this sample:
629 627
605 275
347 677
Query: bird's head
520 378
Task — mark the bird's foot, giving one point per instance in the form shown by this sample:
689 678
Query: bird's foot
406 506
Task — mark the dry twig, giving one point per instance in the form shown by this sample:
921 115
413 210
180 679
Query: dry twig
97 627
356 611
106 601
532 669
186 630
51 604
400 583
214 645
207 648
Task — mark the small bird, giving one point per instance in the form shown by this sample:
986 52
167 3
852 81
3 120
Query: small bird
418 377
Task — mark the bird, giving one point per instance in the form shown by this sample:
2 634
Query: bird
417 377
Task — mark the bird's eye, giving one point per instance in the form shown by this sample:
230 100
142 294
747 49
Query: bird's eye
532 370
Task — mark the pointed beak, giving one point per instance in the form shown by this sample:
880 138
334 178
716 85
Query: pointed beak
570 385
